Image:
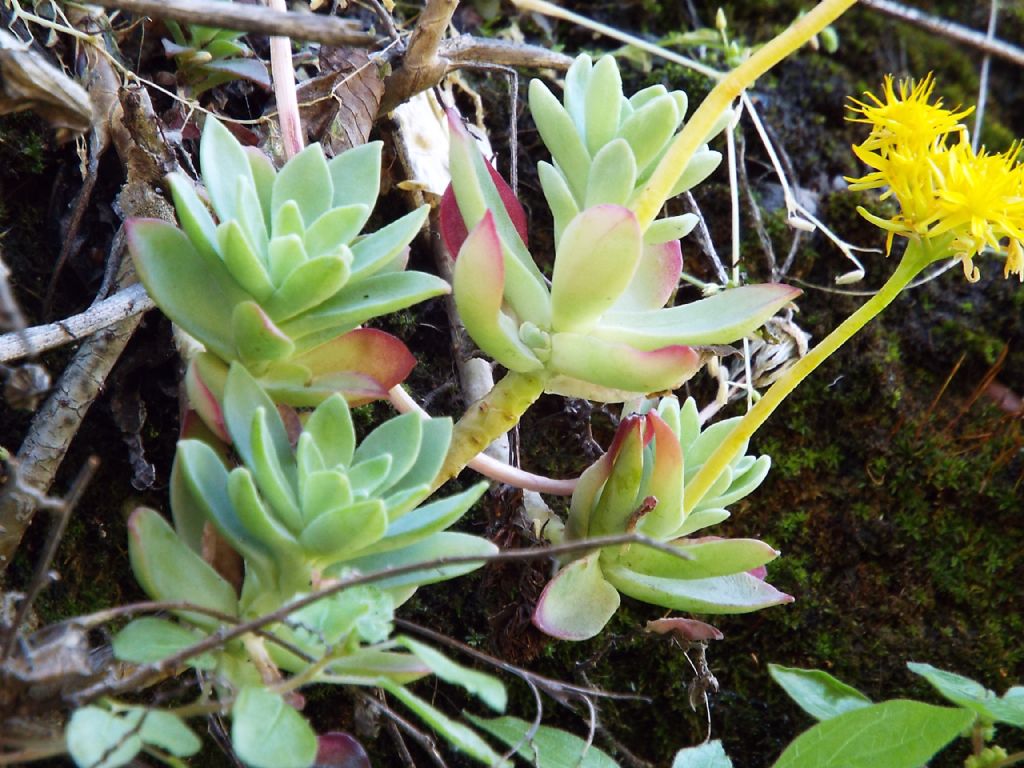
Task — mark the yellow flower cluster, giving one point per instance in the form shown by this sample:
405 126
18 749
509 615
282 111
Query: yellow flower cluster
972 199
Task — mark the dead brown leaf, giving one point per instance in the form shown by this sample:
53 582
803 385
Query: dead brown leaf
338 107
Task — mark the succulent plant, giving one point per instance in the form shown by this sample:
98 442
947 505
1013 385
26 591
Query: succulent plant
282 275
600 330
208 57
605 146
639 486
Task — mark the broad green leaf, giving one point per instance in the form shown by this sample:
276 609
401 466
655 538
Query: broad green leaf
612 175
971 695
151 639
97 738
646 95
578 602
742 484
168 570
242 397
259 521
193 291
274 469
575 96
701 165
736 593
355 174
266 732
288 221
263 174
167 731
595 261
458 735
604 91
894 734
818 693
709 755
699 519
306 180
549 747
719 319
250 216
670 228
487 688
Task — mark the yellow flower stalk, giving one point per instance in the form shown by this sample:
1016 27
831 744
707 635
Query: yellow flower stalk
954 203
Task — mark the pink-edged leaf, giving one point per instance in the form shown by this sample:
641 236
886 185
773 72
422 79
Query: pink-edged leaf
339 750
204 383
691 630
620 502
453 225
596 259
665 481
655 280
705 558
578 602
256 336
761 572
620 368
478 283
377 355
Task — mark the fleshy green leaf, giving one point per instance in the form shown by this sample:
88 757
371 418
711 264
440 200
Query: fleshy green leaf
306 180
285 253
355 174
649 128
266 732
438 545
306 286
709 557
818 693
223 162
719 319
374 252
487 688
429 519
242 261
548 748
194 217
479 283
578 602
670 228
257 337
194 292
332 432
737 593
709 755
612 175
150 639
169 570
604 90
595 261
398 438
337 533
337 227
559 134
560 199
894 734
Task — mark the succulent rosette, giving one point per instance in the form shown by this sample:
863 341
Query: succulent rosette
281 278
639 486
599 328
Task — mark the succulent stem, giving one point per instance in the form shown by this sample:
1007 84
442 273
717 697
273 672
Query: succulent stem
917 256
697 128
486 419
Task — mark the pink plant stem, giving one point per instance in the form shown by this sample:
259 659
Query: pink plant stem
284 89
488 466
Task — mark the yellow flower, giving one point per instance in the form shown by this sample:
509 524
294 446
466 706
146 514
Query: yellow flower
973 200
